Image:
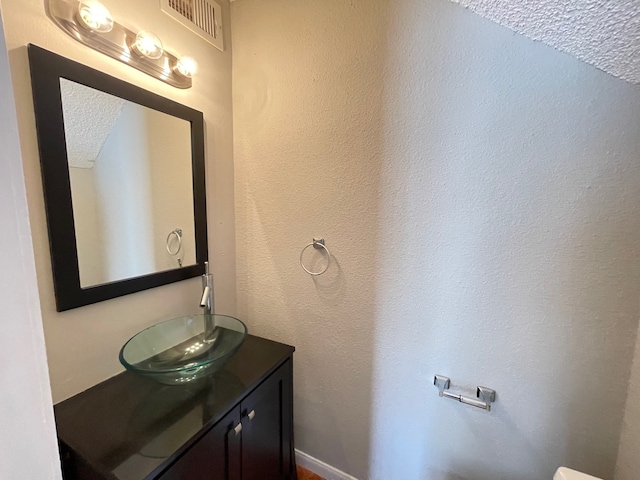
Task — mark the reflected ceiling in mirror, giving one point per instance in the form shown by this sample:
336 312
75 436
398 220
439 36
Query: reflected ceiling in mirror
130 173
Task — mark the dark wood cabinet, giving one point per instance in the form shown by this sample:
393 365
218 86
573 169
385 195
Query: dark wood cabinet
237 425
214 457
266 453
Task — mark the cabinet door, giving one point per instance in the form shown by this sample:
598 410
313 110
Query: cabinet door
216 456
267 438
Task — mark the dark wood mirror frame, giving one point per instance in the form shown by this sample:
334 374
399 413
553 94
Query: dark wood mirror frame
46 70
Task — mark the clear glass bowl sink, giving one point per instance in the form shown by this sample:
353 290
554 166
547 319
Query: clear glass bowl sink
184 349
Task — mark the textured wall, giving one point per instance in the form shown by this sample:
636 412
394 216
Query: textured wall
480 193
90 337
603 33
628 464
27 430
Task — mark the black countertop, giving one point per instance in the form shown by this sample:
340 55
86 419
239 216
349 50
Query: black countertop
130 427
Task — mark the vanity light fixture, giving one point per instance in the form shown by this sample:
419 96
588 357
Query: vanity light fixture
90 22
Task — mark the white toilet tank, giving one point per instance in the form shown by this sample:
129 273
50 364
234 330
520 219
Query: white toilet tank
564 473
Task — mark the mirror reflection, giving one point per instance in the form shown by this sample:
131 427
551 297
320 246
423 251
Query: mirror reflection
130 169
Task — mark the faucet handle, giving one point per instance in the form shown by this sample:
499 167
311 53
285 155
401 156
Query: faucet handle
206 268
205 296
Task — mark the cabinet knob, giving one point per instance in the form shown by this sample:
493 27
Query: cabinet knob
251 414
238 429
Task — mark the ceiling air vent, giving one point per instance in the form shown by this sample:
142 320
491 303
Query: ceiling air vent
203 17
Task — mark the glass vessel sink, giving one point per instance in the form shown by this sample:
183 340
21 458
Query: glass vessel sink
184 349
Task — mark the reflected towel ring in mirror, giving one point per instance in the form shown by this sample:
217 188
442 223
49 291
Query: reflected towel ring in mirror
316 243
178 233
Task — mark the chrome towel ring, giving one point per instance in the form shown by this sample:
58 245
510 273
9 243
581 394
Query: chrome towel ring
178 233
316 243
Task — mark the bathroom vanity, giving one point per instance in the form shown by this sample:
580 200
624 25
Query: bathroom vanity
236 424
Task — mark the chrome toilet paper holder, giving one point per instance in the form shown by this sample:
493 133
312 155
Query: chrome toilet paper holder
486 396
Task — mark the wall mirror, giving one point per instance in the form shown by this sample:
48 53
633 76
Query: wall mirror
123 179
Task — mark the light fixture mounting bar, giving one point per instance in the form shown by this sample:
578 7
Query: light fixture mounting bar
116 44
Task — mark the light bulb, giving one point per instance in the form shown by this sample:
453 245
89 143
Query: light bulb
95 16
186 66
148 45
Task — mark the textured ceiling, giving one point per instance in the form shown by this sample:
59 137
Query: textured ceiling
604 33
89 116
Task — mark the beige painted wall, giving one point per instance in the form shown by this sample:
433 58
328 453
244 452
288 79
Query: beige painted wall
480 194
83 344
628 464
123 185
27 431
89 240
172 197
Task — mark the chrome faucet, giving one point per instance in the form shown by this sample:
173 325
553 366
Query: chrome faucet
207 303
207 291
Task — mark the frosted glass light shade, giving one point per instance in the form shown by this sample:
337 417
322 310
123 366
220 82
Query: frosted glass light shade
95 17
187 66
148 45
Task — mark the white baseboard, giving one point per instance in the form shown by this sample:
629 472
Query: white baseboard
320 468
